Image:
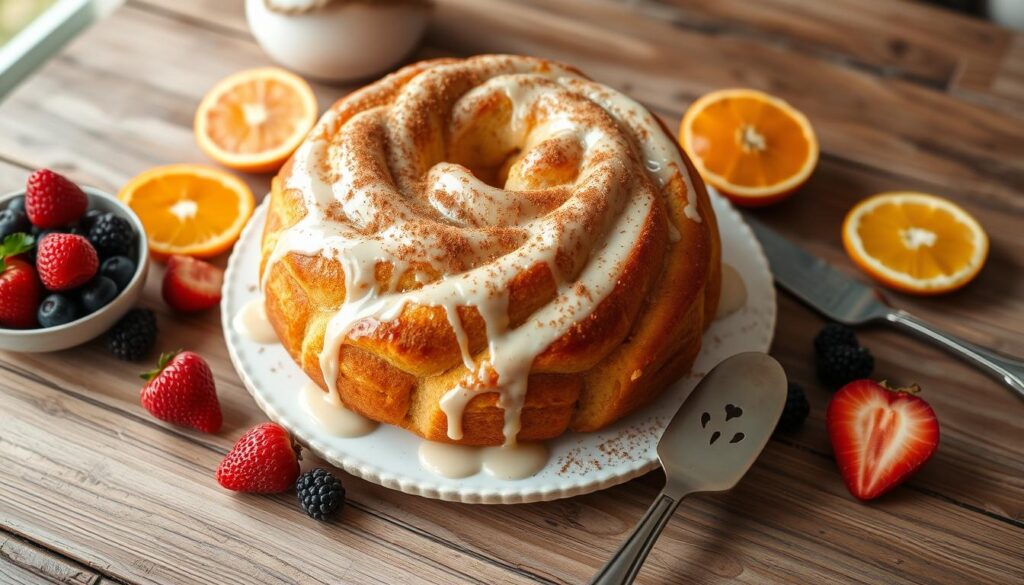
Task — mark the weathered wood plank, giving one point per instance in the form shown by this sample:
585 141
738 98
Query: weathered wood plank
913 40
115 129
123 494
996 83
129 107
112 474
958 472
868 118
23 563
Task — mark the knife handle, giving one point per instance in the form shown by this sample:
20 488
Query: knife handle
622 568
1008 370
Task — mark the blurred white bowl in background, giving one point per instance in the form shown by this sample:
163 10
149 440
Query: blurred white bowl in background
341 41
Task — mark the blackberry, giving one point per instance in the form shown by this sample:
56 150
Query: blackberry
133 336
842 364
321 495
832 335
112 235
796 409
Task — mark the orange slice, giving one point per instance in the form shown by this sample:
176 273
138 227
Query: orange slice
254 120
915 242
192 210
752 147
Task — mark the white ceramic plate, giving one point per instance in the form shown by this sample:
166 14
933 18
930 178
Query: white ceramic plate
580 462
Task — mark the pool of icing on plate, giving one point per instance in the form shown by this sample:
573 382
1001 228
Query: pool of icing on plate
508 462
251 323
734 292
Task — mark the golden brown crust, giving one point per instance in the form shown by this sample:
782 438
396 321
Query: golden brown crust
641 336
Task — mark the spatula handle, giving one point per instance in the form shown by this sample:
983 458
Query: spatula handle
624 566
1008 370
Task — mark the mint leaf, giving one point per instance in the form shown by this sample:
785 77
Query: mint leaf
13 245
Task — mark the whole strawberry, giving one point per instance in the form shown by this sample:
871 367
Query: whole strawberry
181 391
53 201
263 461
66 261
19 286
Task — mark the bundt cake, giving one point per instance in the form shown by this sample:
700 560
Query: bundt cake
490 249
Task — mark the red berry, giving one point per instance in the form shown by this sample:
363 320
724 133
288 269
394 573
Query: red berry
263 461
191 285
880 436
53 201
19 286
181 391
66 261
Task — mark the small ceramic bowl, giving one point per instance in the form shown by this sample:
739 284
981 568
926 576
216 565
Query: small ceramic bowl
343 40
93 325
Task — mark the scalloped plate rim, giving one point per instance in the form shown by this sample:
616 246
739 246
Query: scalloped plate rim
505 492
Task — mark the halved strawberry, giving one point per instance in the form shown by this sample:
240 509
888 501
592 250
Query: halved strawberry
191 285
880 436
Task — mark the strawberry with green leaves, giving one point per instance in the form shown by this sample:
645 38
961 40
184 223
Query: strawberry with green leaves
19 285
181 391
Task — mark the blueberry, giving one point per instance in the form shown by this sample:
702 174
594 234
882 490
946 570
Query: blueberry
119 269
58 309
89 219
12 222
17 204
97 293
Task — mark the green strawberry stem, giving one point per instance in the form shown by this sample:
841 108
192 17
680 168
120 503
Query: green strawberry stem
912 389
13 245
165 358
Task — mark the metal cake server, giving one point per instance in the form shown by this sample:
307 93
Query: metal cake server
711 442
851 302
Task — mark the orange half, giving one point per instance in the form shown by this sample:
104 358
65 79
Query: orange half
254 120
915 242
192 210
752 147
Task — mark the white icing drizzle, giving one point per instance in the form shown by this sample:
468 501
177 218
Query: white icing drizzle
251 323
332 416
615 163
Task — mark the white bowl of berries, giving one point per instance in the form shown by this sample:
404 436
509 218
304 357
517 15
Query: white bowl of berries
73 261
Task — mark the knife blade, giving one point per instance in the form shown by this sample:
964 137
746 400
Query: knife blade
851 302
819 285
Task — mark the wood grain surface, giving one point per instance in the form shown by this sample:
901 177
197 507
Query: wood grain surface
903 95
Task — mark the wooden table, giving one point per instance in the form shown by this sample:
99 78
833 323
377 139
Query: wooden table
904 96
